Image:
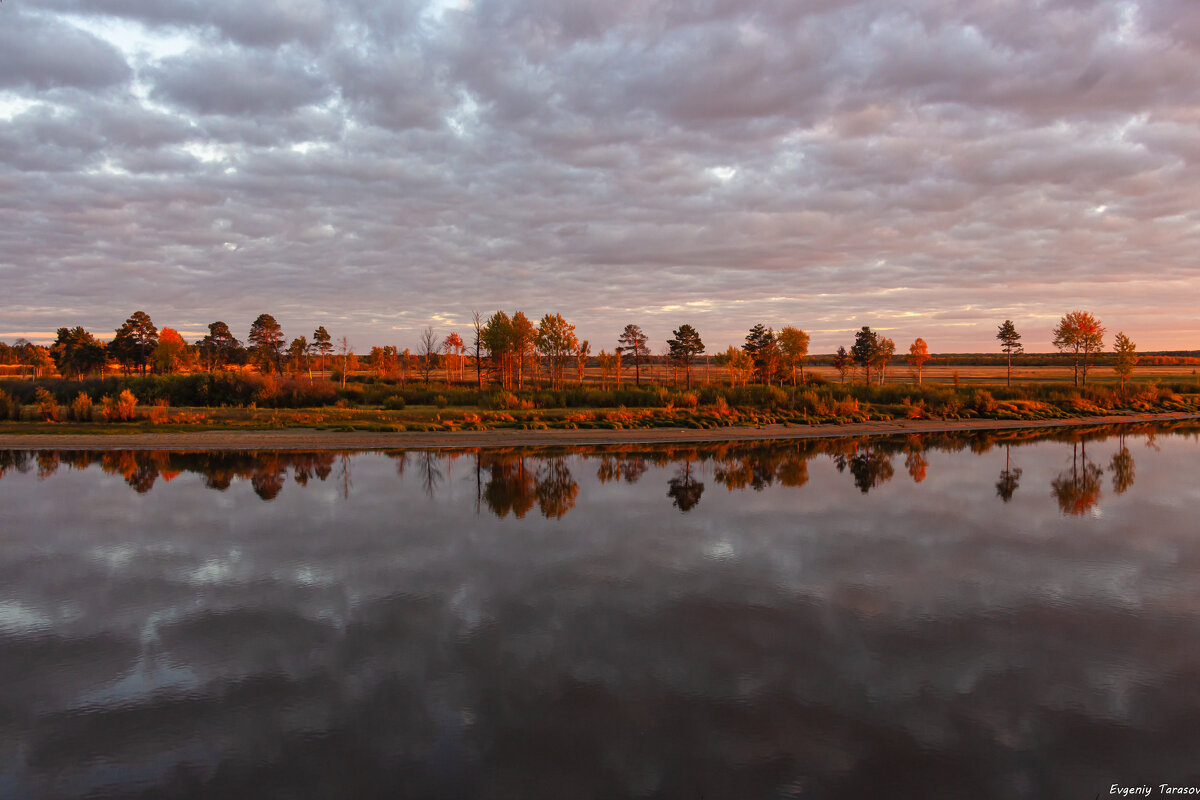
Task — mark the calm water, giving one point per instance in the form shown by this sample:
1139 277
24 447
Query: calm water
937 617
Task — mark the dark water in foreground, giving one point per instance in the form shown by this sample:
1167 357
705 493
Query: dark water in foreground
936 617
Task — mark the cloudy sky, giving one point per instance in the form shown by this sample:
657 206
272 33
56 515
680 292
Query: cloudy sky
929 168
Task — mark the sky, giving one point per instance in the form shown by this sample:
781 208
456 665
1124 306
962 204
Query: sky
928 168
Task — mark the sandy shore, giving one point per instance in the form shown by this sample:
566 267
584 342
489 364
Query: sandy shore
305 439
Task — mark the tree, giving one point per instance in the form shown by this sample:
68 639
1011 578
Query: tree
883 356
77 353
763 350
477 324
427 349
135 342
1080 334
737 362
918 354
453 345
582 353
793 344
170 352
522 340
608 366
633 342
497 338
684 348
323 344
219 348
347 356
555 340
1010 342
842 362
1127 357
266 343
298 355
865 350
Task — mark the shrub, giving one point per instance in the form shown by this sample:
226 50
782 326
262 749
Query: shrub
120 408
158 414
9 407
688 400
81 407
393 403
983 402
440 401
47 406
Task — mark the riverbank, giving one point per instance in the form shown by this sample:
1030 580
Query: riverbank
308 439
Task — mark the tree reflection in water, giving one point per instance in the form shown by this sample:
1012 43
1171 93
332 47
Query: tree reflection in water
1077 490
1122 468
1010 479
684 490
514 480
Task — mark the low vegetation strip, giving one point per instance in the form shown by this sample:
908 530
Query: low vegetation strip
241 401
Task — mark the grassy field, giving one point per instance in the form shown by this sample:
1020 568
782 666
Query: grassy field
246 401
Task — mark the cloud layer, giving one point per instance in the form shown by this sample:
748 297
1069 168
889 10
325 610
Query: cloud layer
375 167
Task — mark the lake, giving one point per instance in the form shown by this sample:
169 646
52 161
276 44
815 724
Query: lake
1003 615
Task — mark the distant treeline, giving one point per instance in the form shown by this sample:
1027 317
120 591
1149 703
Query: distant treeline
511 351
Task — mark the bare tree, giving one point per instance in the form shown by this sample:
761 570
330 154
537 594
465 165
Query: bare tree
428 351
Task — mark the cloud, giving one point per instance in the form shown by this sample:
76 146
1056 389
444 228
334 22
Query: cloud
600 158
41 53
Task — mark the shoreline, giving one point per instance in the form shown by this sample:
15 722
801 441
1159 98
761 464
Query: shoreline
309 439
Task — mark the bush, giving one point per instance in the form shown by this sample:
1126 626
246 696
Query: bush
120 408
983 402
158 414
81 407
9 407
394 403
47 406
440 401
688 400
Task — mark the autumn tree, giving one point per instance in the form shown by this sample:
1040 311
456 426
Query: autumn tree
842 361
737 363
608 366
171 351
887 349
522 344
918 354
266 343
77 353
763 350
555 341
1080 334
1126 357
793 345
1010 343
134 343
684 348
322 344
297 354
633 342
582 353
865 350
453 345
427 349
496 336
219 348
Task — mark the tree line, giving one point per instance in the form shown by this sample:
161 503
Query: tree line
511 351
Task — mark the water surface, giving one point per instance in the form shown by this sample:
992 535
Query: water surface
1000 615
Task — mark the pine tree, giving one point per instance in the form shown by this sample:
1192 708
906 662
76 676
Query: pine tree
1010 342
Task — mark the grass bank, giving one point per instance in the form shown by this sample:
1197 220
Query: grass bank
238 401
